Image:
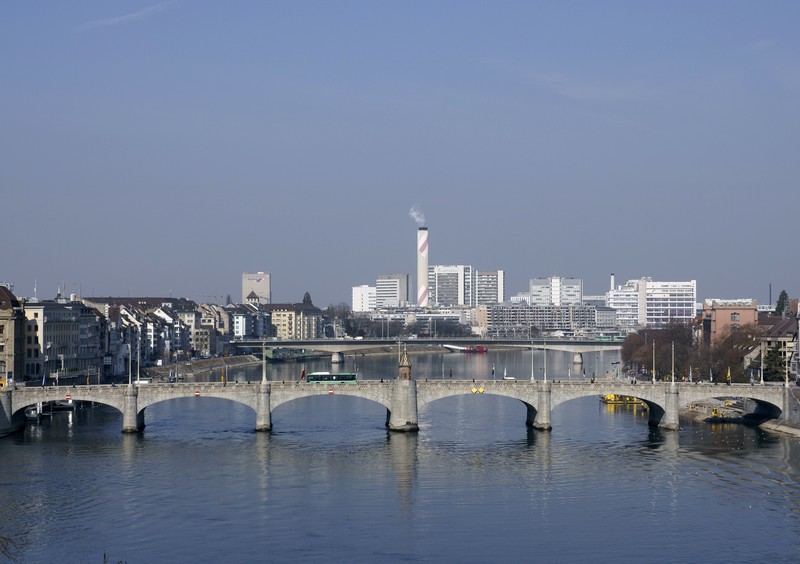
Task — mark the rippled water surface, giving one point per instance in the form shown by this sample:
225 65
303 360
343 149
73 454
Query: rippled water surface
330 484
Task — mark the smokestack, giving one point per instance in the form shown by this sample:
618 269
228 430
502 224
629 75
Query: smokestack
422 267
612 280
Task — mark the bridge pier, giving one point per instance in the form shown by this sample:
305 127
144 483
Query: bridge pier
403 399
337 358
132 420
671 409
8 423
263 411
541 419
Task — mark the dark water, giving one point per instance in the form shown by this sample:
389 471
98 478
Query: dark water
330 484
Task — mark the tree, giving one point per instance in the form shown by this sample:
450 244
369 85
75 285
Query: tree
307 299
729 352
774 366
782 304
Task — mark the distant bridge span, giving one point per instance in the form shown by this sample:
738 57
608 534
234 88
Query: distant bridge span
402 398
343 346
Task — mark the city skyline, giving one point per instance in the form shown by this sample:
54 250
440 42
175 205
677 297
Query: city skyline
167 148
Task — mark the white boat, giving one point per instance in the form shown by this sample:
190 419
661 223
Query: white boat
506 376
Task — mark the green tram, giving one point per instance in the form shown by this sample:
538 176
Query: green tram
329 378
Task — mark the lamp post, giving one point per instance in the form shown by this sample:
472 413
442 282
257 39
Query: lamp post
264 361
138 356
654 361
673 363
762 363
532 373
545 360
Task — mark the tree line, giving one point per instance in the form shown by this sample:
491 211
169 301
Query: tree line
705 361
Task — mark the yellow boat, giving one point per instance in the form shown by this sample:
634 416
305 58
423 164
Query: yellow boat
617 399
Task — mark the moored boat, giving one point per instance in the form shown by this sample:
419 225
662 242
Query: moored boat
618 399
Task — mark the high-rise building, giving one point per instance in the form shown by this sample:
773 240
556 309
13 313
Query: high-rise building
257 284
451 285
556 291
490 287
392 290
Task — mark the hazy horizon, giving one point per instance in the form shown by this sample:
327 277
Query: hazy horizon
165 148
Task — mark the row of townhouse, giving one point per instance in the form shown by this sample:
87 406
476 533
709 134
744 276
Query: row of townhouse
98 338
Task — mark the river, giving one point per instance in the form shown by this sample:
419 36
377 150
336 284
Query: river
330 484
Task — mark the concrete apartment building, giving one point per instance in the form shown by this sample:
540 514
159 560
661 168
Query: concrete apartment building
517 319
64 340
295 321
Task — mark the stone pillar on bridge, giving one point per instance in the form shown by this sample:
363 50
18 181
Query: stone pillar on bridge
263 411
403 413
542 419
8 423
671 409
132 420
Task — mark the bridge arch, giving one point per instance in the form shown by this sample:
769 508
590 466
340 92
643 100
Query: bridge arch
57 393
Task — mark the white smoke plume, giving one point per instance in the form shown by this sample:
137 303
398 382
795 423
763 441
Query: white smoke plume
417 215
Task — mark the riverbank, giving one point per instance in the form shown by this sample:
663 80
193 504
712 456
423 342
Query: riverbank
191 369
731 411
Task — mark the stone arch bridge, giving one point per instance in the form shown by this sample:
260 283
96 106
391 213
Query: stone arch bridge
402 398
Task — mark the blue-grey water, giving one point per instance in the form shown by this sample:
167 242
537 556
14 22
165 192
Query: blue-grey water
330 484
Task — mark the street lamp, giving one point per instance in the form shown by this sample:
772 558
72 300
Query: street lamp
654 361
532 373
673 363
545 360
264 361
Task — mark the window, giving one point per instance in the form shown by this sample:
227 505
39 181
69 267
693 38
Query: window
735 316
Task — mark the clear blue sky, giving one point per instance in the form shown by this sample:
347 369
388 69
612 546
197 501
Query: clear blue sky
165 148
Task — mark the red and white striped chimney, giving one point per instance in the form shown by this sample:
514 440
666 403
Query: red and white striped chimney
422 267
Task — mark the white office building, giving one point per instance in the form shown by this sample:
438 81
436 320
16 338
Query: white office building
648 303
391 290
364 298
